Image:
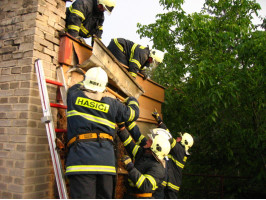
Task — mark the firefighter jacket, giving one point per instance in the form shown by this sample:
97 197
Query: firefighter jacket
148 173
84 115
177 158
84 19
130 54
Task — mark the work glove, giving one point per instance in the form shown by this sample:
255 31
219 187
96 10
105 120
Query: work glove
126 101
156 116
62 32
121 125
143 72
81 39
127 162
59 144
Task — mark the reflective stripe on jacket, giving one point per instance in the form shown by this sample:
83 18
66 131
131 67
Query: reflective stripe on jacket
85 115
177 159
84 19
129 53
147 173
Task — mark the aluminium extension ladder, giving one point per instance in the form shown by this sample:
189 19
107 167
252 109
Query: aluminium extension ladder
49 124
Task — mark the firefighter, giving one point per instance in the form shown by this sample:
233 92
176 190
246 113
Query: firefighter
91 118
85 18
135 56
148 170
176 158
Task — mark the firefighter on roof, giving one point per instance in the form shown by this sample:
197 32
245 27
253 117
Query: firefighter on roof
135 56
148 170
85 18
177 158
91 118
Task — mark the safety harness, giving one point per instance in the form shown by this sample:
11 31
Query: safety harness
89 136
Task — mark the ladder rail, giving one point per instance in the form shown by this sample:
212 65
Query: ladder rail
61 79
50 130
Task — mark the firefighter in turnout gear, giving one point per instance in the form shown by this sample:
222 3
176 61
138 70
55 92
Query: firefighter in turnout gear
135 56
91 125
148 170
85 18
177 158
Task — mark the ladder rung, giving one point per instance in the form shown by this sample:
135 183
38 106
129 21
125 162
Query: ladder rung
57 130
56 105
53 82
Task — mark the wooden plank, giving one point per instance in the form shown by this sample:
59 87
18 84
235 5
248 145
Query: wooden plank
152 90
83 53
147 106
72 51
119 75
65 51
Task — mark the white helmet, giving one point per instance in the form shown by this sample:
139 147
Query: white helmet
96 79
160 142
157 55
108 5
187 141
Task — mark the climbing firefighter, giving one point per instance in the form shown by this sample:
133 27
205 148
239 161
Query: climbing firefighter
91 118
135 56
85 18
177 157
148 170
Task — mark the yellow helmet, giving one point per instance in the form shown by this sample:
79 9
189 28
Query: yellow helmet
187 141
96 79
160 142
157 55
108 5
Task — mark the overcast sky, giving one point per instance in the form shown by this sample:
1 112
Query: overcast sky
127 13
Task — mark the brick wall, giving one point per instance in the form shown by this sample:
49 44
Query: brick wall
28 30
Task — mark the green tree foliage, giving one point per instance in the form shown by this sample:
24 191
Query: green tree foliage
214 72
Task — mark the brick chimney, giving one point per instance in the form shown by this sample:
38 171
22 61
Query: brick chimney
29 29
